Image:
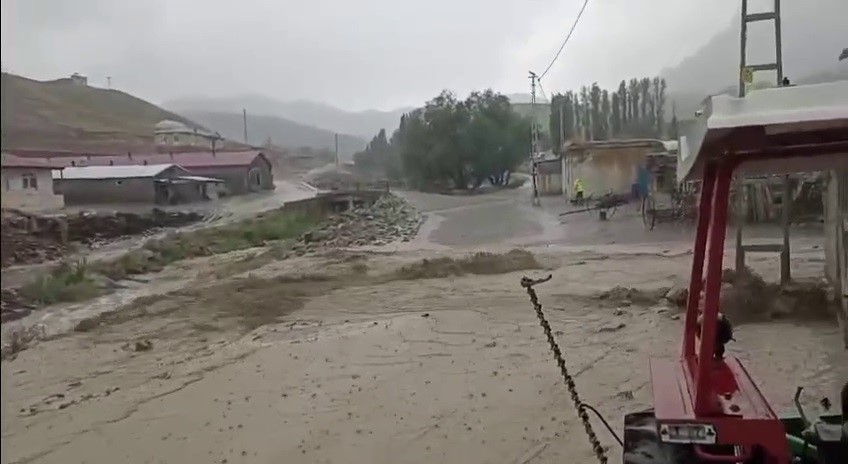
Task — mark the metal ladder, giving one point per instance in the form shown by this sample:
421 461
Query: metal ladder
746 73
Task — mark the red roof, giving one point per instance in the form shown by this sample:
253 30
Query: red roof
12 161
186 160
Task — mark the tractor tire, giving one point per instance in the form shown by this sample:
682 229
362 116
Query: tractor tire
649 212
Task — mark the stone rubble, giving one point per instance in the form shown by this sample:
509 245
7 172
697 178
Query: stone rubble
389 219
30 238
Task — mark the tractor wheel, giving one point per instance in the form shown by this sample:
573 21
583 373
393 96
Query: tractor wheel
649 212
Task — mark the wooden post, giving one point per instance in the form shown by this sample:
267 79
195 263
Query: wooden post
740 222
785 273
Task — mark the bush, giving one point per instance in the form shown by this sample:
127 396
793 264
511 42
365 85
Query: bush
68 283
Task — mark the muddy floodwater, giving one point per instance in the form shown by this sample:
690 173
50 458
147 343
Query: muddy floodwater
414 353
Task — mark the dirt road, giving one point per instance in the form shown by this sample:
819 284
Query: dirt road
380 357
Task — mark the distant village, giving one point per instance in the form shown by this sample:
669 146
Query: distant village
188 165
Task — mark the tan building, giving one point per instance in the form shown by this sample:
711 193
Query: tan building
28 184
170 133
603 166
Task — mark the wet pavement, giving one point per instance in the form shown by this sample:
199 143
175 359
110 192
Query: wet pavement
508 218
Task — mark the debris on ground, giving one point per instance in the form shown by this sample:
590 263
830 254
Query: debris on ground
387 220
626 296
31 238
339 179
21 339
747 297
13 305
479 263
93 229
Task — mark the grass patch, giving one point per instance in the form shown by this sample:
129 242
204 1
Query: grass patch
481 263
69 282
73 282
255 232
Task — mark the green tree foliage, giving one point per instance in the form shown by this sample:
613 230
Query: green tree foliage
636 108
452 143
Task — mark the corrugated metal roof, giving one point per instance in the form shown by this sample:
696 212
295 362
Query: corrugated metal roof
112 172
201 179
781 110
187 160
12 161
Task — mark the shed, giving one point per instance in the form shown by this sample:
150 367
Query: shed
779 131
152 183
609 165
241 171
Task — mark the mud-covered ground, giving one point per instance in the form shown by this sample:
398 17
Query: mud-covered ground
413 352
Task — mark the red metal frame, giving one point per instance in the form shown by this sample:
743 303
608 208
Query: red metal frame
698 388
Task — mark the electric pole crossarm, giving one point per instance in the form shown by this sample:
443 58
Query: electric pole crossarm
763 67
754 17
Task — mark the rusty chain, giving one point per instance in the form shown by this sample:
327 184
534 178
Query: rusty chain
528 284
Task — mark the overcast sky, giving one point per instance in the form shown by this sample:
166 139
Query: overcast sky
355 54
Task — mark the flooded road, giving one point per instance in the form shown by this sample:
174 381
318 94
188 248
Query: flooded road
356 357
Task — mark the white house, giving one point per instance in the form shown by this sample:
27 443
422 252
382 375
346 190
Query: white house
28 184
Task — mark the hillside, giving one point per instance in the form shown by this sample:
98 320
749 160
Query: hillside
59 115
812 39
283 132
359 123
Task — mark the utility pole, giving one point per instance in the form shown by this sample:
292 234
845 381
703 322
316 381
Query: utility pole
337 149
746 76
244 121
534 140
563 180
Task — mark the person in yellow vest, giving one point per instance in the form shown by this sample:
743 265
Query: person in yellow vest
578 191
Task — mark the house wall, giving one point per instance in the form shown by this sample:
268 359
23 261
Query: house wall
183 139
102 191
550 184
38 199
236 179
602 171
550 177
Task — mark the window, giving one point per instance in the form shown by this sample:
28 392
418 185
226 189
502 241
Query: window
176 138
29 181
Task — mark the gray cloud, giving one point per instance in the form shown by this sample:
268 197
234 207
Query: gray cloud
354 54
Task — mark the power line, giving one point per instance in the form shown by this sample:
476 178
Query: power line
573 26
542 89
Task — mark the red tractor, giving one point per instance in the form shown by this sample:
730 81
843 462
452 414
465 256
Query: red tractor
707 408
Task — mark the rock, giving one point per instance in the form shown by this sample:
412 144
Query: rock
677 294
143 345
612 328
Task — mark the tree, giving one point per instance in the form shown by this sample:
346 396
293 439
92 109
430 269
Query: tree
635 109
644 97
633 91
585 113
455 143
659 95
623 111
615 116
673 130
605 114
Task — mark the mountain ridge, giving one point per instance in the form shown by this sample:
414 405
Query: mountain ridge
362 124
281 131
